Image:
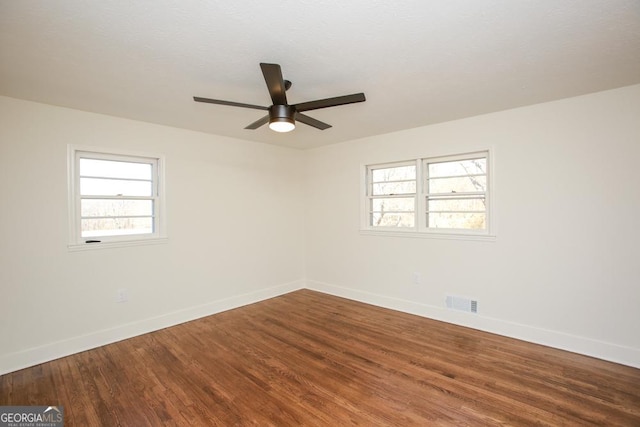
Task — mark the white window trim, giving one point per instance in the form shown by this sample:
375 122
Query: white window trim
421 230
76 242
367 197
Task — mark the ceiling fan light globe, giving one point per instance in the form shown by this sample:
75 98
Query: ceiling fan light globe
282 125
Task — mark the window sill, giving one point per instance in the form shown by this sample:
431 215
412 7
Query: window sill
430 235
78 247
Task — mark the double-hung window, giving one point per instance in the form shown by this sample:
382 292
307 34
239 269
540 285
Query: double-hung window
392 195
447 195
115 198
455 192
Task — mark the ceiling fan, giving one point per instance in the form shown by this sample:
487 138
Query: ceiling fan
282 116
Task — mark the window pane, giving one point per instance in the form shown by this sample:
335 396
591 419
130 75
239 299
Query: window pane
456 205
389 188
115 169
394 204
379 219
460 167
114 187
116 226
100 207
458 185
469 221
393 174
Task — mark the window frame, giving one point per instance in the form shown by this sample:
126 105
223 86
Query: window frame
421 229
76 241
371 197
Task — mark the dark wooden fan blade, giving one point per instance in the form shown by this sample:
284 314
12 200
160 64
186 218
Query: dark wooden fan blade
258 123
312 122
330 102
275 83
229 103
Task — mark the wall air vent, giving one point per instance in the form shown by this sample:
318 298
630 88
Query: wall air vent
462 304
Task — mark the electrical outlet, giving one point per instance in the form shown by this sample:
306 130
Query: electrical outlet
122 295
417 278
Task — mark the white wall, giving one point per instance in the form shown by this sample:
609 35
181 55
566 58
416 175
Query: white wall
564 269
235 227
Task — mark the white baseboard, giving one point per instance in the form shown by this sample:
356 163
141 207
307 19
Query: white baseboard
47 352
602 350
34 356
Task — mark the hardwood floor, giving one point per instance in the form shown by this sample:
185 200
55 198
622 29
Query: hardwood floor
307 358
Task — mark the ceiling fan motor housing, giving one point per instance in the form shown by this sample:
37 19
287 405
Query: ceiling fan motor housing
282 113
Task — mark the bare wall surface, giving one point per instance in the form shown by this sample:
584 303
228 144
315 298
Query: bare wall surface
235 221
563 269
248 221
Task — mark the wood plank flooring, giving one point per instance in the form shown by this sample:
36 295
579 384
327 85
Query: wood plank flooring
307 358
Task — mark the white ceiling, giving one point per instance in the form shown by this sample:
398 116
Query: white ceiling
418 62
